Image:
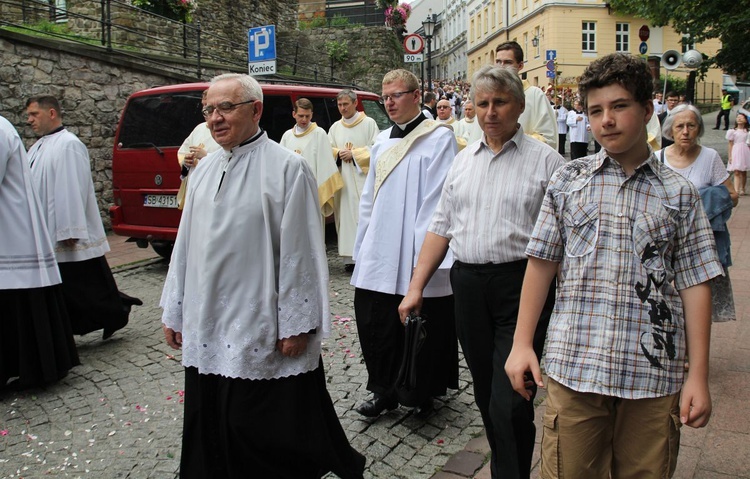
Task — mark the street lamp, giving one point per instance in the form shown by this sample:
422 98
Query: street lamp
429 29
535 42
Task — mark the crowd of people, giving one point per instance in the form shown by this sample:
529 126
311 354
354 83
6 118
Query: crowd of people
430 227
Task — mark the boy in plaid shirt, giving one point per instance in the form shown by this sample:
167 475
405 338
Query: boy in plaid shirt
635 253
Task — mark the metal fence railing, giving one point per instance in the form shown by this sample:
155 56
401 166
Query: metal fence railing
152 39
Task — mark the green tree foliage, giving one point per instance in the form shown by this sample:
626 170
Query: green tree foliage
726 20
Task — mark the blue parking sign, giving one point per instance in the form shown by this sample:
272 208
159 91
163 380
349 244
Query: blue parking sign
261 44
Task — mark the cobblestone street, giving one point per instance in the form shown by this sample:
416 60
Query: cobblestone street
119 414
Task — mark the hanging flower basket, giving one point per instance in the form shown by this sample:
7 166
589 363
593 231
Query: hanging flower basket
396 15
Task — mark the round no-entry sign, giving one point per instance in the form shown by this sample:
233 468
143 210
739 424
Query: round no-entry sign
413 43
644 33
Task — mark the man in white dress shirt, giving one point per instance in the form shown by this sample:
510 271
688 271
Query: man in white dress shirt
352 138
61 174
538 120
408 166
246 299
485 221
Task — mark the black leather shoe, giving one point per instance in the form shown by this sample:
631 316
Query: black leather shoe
376 405
425 410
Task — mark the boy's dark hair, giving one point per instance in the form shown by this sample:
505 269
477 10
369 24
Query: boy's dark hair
514 47
628 71
672 94
45 101
303 103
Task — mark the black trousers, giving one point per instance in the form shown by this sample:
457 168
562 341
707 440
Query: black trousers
578 149
561 137
381 336
725 115
487 300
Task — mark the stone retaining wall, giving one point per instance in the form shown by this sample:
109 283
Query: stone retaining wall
92 93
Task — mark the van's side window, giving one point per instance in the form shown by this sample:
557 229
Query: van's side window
375 110
277 115
160 120
325 111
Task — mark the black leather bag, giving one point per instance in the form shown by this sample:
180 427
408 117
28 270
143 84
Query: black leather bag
414 336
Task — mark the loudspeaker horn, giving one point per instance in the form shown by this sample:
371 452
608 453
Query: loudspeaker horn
671 59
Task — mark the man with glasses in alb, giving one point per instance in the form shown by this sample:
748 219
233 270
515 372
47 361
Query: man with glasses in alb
408 165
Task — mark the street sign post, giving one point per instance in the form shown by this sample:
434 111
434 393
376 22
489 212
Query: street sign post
643 48
261 50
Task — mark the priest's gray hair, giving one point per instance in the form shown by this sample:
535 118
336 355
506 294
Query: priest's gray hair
666 128
249 85
494 78
347 93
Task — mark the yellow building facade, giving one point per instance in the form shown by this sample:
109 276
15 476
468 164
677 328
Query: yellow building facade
579 31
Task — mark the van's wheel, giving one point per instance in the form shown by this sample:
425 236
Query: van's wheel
163 248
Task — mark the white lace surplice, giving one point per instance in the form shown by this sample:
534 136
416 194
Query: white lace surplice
249 264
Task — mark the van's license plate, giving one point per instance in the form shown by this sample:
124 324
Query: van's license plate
160 201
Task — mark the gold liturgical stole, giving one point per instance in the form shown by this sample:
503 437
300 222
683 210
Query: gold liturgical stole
390 158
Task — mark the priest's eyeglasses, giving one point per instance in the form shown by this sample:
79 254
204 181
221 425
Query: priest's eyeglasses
395 95
224 108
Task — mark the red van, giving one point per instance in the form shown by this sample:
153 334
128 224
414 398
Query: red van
153 125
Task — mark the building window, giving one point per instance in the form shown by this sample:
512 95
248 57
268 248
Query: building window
479 26
622 37
526 42
588 36
538 46
486 21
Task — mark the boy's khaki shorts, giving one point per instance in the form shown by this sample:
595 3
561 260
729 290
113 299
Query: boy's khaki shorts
590 436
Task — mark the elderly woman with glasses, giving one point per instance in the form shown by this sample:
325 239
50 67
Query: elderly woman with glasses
703 167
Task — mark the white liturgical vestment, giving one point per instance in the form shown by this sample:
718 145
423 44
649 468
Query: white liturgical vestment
61 174
538 119
468 130
249 266
393 224
357 135
27 259
314 146
200 135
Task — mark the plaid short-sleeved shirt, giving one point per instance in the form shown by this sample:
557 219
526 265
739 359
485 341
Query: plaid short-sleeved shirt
626 245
